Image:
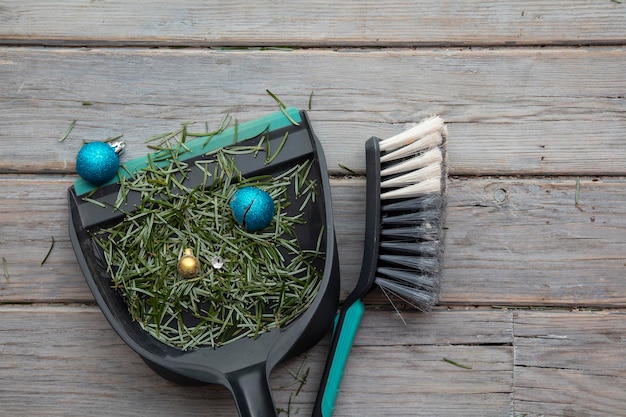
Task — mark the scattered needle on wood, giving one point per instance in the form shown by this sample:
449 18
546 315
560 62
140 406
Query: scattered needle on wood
5 268
113 138
283 108
48 254
460 365
351 171
68 131
577 195
299 375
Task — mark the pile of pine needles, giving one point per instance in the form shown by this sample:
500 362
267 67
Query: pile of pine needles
249 282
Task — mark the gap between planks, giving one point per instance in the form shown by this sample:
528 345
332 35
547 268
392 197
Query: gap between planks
524 111
537 362
321 23
536 247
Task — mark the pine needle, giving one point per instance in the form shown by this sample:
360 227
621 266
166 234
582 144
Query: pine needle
5 268
267 279
270 158
460 365
49 251
283 108
68 131
96 202
577 195
350 170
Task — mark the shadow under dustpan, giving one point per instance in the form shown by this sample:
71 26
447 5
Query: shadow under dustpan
242 365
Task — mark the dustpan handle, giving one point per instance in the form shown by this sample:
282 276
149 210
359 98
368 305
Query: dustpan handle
251 390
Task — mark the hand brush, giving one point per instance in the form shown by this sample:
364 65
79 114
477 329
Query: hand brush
403 249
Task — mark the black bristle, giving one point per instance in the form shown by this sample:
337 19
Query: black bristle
422 300
427 248
414 204
416 263
421 232
419 216
427 282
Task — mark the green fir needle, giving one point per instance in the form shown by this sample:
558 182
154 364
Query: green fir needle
5 268
68 131
283 108
455 363
266 280
49 252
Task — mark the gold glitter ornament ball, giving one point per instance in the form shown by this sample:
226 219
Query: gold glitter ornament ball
188 265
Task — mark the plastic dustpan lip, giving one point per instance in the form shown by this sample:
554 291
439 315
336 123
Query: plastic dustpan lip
282 341
197 147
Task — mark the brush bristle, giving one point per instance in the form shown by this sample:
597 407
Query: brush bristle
413 183
431 125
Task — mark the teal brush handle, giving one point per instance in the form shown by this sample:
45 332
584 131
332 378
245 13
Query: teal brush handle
352 311
343 338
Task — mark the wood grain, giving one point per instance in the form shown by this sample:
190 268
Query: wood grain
533 295
536 247
311 23
89 371
521 111
569 364
522 362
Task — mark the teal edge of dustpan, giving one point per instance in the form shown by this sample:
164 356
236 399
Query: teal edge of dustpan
199 145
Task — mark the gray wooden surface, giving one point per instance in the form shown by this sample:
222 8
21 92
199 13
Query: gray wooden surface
534 94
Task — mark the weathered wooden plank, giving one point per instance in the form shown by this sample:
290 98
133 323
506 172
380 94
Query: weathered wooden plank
67 361
374 385
513 242
569 364
311 23
441 327
529 243
510 111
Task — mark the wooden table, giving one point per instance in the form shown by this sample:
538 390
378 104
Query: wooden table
533 303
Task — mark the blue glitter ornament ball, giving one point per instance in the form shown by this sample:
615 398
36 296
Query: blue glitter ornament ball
97 163
253 208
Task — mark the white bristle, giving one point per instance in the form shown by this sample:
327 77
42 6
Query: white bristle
414 177
431 185
430 125
430 141
432 157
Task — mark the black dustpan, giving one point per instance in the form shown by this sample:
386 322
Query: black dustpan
242 366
